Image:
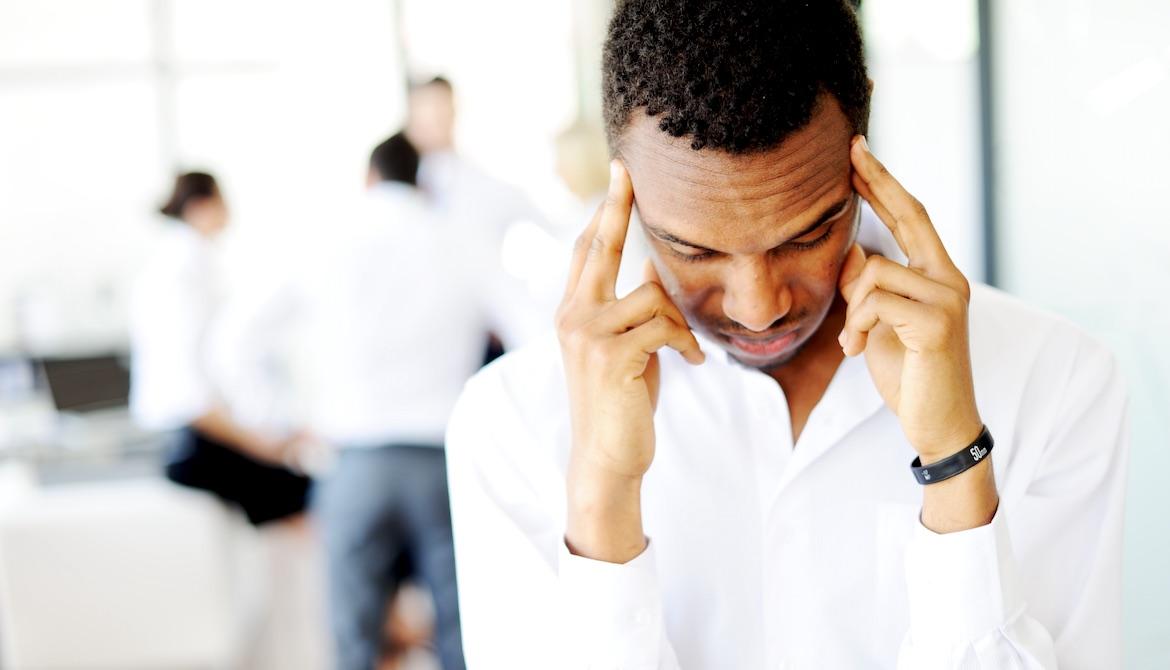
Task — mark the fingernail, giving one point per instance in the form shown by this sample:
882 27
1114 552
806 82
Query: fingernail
613 170
841 339
864 144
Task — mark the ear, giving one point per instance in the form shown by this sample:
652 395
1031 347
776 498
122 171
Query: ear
851 270
649 272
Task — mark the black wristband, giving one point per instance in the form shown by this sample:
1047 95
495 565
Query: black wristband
953 465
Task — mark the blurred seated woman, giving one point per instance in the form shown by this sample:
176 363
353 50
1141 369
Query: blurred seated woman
173 303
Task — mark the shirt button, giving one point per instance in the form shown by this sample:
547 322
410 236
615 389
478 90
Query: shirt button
783 664
642 617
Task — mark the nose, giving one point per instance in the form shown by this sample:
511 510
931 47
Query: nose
754 296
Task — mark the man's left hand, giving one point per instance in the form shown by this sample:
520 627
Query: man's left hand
911 321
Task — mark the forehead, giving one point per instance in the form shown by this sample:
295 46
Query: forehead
739 203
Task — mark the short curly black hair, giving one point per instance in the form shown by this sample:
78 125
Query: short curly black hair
732 75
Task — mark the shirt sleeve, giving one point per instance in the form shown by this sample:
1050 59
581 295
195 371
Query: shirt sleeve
1054 599
966 608
614 613
525 602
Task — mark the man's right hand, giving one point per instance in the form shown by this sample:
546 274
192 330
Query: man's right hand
610 349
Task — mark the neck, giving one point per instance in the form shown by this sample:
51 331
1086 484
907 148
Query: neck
807 376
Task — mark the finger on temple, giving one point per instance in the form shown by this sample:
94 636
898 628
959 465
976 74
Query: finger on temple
899 210
599 274
862 189
581 250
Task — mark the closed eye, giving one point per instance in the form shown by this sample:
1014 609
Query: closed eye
686 252
810 244
690 254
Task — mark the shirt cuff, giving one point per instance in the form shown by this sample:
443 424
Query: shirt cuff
961 584
612 612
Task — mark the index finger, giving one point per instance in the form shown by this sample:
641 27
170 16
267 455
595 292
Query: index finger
599 269
900 211
581 250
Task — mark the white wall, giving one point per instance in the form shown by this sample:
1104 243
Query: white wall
282 100
101 99
923 59
1082 111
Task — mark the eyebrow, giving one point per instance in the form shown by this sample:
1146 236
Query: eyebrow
830 214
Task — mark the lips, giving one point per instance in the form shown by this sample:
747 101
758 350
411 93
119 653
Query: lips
766 347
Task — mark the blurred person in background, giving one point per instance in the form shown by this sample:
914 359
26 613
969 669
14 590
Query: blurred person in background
582 162
394 306
477 203
173 304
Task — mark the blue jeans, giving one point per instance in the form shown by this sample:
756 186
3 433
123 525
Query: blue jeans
378 507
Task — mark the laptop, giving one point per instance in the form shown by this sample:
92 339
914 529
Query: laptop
92 396
87 385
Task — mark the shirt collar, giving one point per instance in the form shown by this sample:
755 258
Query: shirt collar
850 399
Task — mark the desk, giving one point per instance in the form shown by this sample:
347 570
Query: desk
64 447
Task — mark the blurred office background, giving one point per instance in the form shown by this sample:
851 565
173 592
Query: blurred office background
1033 130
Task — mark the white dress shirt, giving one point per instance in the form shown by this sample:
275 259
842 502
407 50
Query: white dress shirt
172 303
395 306
762 555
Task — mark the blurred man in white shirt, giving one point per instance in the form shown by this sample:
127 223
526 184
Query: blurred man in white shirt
482 206
479 202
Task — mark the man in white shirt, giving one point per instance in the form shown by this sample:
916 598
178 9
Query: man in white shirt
638 495
479 205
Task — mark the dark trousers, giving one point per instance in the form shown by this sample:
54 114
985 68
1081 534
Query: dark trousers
379 508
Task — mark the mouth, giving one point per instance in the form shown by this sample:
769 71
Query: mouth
763 347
